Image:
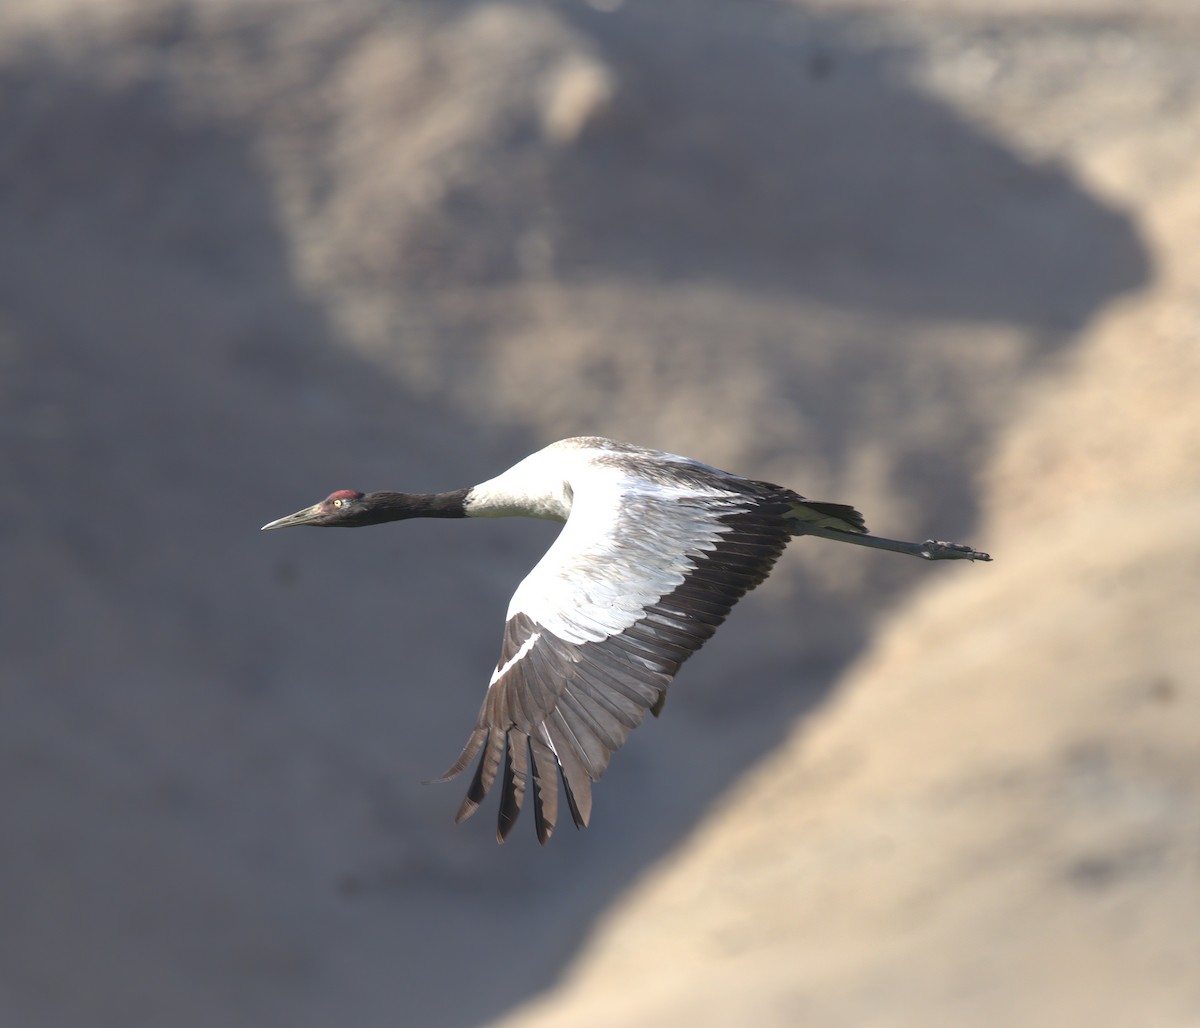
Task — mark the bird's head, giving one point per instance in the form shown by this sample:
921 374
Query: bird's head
343 509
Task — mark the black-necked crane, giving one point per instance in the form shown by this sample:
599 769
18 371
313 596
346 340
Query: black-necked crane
655 549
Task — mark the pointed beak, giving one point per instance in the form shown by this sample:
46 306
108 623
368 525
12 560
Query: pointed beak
301 517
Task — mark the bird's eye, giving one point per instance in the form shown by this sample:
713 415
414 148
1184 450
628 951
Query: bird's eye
339 503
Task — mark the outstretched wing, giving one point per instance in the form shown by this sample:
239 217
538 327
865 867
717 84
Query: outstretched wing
640 576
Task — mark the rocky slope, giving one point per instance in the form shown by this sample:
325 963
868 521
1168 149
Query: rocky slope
997 820
937 264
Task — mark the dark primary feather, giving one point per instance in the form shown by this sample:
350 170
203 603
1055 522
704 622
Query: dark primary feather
564 708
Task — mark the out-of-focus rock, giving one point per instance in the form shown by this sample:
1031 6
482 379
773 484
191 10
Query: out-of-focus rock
254 250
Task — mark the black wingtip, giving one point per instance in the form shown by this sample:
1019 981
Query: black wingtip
512 792
580 817
545 788
474 745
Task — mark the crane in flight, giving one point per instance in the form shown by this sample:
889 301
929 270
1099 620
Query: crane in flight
654 552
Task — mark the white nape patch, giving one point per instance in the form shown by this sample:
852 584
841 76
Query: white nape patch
535 487
526 646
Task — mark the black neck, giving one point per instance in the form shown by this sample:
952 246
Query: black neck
383 506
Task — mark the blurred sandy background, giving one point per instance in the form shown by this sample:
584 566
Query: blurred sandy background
937 259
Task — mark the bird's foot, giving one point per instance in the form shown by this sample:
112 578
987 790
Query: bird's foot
936 549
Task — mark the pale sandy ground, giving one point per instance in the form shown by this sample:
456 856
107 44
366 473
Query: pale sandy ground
937 259
997 820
